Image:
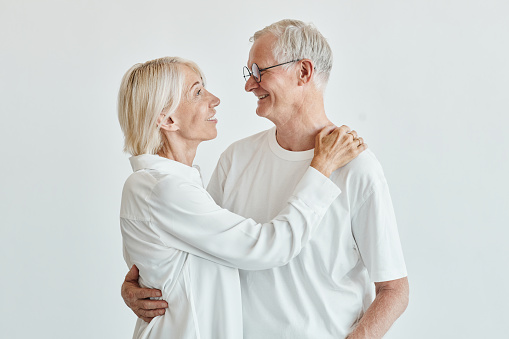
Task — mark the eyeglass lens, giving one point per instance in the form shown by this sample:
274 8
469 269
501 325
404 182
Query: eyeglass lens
255 72
247 73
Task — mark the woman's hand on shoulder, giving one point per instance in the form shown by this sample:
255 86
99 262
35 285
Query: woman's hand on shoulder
336 147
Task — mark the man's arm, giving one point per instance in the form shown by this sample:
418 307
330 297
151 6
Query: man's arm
137 298
390 302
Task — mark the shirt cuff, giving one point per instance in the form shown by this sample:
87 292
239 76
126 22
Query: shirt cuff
316 190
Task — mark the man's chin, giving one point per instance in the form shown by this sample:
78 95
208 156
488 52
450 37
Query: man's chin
262 112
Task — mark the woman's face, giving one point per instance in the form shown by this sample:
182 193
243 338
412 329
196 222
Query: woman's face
195 115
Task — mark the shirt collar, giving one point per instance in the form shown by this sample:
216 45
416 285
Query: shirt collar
165 165
285 154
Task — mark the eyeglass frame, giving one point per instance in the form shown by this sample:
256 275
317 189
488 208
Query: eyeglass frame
262 70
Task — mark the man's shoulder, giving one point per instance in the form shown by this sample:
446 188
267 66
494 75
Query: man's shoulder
364 170
365 162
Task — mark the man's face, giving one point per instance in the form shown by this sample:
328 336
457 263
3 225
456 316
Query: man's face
276 91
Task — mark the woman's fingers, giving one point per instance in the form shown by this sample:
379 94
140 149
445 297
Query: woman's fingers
344 129
353 134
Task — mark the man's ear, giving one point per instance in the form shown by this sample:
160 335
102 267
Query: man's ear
306 71
167 124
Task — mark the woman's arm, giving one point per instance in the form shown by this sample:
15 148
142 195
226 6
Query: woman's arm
186 218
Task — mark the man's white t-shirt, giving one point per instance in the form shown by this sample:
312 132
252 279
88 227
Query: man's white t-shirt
329 285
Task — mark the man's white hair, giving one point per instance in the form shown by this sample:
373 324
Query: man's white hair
299 40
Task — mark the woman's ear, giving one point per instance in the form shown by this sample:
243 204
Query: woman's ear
306 71
167 124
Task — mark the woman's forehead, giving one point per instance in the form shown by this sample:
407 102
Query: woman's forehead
192 77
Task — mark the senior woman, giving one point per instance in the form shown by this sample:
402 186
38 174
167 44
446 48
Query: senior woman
173 231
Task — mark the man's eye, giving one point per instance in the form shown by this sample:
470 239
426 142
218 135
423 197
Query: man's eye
199 92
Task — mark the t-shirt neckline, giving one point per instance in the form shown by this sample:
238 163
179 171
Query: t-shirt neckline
285 154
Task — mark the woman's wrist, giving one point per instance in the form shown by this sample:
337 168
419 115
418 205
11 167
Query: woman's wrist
321 166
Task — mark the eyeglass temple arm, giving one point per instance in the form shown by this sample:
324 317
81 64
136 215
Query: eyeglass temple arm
284 63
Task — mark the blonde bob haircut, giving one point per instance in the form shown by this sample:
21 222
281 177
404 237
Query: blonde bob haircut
299 40
147 91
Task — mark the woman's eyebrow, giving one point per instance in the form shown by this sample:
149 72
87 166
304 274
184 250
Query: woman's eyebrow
193 85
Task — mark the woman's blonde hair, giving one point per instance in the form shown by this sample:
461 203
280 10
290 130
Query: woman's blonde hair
146 91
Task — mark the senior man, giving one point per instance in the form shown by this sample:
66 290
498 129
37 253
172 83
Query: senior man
350 281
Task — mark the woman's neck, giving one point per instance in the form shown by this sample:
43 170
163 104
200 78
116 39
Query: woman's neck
179 150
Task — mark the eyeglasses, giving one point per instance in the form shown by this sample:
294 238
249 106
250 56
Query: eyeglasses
256 72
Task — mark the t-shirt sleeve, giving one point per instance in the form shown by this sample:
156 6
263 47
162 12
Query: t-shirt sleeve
187 218
216 183
375 231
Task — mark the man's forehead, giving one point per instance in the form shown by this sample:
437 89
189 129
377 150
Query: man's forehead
261 51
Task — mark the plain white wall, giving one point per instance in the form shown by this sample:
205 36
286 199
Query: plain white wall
426 83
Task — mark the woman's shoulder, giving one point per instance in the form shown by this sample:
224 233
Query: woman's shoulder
139 183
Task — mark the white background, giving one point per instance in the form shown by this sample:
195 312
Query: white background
426 83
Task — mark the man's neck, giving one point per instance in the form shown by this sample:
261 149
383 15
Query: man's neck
298 133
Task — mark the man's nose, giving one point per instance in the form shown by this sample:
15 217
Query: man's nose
251 84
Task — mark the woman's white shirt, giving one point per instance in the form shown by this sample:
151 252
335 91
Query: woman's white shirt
190 248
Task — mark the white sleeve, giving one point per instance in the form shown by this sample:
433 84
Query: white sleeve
188 219
376 234
216 183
